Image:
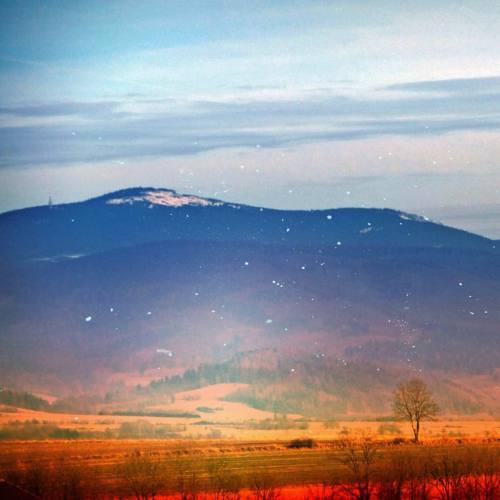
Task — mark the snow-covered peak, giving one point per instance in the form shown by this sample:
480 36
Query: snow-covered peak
412 217
163 197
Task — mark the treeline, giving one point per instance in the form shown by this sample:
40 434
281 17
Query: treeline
273 424
283 400
76 404
312 387
23 400
35 430
231 371
141 413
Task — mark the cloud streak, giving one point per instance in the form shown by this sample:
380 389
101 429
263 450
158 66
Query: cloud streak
457 85
117 130
92 109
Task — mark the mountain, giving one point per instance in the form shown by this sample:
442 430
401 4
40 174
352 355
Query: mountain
143 283
143 215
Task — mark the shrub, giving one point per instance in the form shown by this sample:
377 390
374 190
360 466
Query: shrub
389 429
215 434
302 443
205 409
398 440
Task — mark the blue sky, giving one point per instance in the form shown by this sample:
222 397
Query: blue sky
289 104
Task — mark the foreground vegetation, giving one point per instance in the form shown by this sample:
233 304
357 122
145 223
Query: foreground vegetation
361 468
166 454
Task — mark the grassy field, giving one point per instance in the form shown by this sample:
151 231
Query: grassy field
106 467
261 425
214 417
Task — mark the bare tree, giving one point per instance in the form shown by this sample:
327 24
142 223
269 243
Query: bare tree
67 480
36 478
359 459
143 475
413 401
225 483
263 484
187 479
404 475
323 491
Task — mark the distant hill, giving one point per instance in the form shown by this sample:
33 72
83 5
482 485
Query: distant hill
146 282
142 215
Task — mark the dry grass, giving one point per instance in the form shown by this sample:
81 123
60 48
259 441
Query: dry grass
212 396
231 421
228 464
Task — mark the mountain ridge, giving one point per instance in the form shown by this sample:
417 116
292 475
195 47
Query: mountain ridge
140 215
142 190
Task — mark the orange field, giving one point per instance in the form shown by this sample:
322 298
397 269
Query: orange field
110 468
240 429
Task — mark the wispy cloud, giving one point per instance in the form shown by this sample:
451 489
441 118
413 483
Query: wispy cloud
92 109
134 128
455 86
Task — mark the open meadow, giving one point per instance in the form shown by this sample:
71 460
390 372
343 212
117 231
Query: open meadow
206 427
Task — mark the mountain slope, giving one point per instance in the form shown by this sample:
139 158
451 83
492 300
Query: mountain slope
158 293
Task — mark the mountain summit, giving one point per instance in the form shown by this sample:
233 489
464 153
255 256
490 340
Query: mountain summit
154 196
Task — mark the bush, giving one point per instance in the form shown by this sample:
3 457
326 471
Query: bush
302 443
141 429
389 429
215 434
398 441
330 424
205 409
269 424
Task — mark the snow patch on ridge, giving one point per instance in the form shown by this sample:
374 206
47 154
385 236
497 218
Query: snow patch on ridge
412 217
164 198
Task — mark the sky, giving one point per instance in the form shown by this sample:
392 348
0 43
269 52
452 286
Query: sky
284 104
